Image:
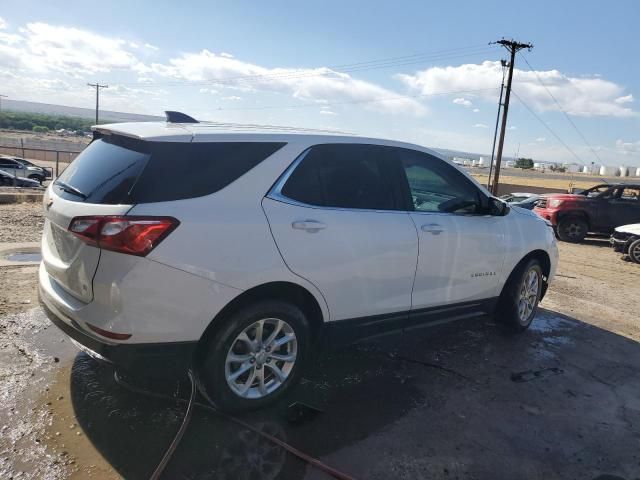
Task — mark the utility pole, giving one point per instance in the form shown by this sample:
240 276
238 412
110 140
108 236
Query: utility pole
513 47
495 132
97 86
1 97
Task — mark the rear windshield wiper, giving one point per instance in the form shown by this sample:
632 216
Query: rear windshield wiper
69 189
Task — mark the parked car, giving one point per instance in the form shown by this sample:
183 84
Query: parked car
46 172
9 180
598 209
269 244
626 239
16 168
522 200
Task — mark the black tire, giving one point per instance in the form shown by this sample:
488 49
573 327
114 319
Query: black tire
634 251
572 229
508 308
37 178
212 375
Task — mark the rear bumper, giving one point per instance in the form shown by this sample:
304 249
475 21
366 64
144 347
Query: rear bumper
153 359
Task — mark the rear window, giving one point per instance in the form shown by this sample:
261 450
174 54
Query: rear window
119 170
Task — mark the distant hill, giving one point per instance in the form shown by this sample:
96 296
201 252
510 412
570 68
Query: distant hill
50 109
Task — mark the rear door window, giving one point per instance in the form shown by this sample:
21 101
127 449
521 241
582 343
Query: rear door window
120 170
352 176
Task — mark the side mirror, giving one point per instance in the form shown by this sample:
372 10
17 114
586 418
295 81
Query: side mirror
498 208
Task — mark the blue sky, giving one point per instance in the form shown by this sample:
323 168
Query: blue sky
431 79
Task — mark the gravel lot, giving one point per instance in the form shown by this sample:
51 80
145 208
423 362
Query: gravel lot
442 403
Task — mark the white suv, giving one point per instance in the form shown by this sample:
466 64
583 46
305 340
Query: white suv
239 249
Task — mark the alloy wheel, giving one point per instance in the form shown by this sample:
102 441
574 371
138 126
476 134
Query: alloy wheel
261 358
528 295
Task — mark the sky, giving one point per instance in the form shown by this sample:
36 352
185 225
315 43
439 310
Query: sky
422 72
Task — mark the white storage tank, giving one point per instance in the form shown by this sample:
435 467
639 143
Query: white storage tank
608 171
622 172
586 169
638 172
481 162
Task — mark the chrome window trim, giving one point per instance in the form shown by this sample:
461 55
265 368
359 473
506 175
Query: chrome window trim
276 194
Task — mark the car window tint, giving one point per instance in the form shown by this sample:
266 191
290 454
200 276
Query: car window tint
436 186
344 176
117 169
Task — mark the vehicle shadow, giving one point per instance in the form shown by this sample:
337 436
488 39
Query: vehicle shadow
467 399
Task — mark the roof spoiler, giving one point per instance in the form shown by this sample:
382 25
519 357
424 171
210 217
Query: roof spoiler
179 117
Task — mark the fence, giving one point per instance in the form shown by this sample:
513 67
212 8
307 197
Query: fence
59 159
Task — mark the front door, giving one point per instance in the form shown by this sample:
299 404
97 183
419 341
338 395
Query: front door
337 222
461 248
624 208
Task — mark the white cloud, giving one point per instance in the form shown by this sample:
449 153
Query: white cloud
512 127
232 97
134 45
151 47
327 112
310 84
45 48
480 125
623 100
628 148
462 101
208 90
541 139
579 96
476 110
3 23
226 55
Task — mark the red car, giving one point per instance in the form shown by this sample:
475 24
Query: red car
598 209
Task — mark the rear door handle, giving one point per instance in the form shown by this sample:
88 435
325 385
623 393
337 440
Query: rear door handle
432 228
311 226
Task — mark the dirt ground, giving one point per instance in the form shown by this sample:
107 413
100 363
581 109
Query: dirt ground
459 401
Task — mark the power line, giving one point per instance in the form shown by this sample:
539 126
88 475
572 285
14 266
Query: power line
548 127
575 127
330 70
350 102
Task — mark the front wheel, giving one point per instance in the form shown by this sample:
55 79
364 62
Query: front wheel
519 300
634 251
256 356
572 229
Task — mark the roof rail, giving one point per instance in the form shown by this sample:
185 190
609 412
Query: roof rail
179 117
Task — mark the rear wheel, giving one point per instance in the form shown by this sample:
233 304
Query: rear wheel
572 229
634 251
256 356
518 302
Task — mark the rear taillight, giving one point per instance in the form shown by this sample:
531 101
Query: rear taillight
130 235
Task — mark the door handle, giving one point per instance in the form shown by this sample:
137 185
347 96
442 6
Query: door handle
432 228
311 226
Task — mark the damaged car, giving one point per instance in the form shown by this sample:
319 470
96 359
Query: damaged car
269 244
626 240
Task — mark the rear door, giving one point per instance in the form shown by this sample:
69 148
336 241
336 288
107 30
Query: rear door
12 167
96 183
338 222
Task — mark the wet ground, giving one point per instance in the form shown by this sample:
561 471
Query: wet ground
464 400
